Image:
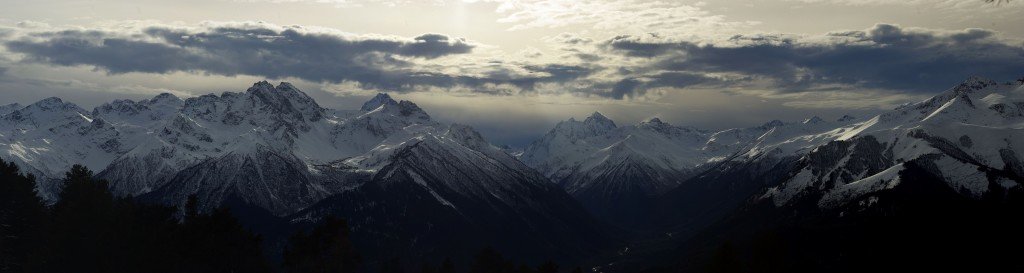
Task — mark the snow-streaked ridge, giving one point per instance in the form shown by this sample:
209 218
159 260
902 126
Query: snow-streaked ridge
167 148
968 135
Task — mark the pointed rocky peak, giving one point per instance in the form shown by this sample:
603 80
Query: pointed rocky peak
466 135
972 83
410 109
595 124
960 93
600 120
49 110
125 107
54 104
973 79
48 103
377 101
287 86
653 121
261 89
773 124
164 105
285 100
261 85
846 118
165 98
283 92
814 120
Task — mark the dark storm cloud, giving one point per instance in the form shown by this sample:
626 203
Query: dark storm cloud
638 86
885 57
260 51
375 62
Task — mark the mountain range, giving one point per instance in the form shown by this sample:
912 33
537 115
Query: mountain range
587 191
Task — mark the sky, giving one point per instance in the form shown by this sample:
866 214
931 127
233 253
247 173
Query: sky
514 68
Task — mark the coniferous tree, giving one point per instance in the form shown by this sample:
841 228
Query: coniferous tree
83 226
217 242
90 230
725 260
327 248
447 266
548 267
393 265
22 216
523 268
427 268
489 260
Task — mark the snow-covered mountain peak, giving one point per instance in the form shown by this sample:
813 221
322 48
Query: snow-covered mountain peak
53 104
53 111
599 120
813 120
968 135
410 109
262 105
962 103
377 101
652 121
285 99
164 99
573 130
273 146
675 132
772 124
121 107
466 135
403 111
975 82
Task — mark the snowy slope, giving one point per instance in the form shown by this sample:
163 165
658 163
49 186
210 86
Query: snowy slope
270 146
448 192
575 153
49 136
617 170
970 135
7 109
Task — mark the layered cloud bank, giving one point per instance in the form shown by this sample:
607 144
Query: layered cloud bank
882 57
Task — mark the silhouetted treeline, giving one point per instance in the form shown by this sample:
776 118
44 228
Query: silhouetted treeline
487 260
326 248
90 230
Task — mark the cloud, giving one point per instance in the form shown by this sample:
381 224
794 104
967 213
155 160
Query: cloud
624 16
940 4
312 54
882 57
638 86
233 49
